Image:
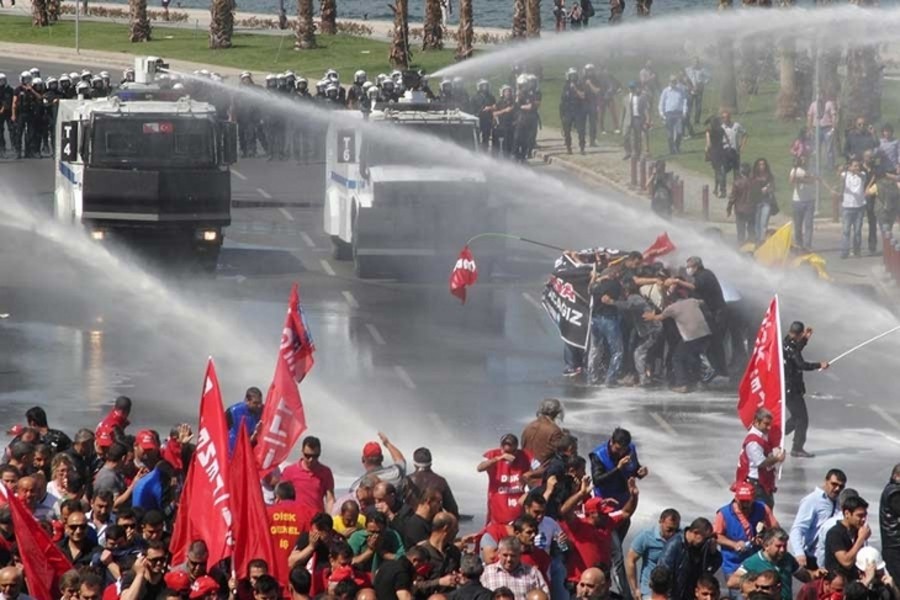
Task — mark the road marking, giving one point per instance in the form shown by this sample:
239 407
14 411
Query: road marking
350 299
327 267
663 424
239 175
532 301
264 193
306 239
404 376
286 214
719 479
376 335
885 415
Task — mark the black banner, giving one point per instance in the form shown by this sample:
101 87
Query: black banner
568 304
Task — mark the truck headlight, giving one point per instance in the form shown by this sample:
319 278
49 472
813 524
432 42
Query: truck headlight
98 234
207 235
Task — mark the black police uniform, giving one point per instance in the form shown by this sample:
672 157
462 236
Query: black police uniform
26 100
794 365
480 102
572 113
6 124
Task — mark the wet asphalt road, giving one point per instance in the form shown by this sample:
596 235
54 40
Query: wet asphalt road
401 357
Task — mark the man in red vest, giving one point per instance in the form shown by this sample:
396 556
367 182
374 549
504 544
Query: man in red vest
759 459
506 467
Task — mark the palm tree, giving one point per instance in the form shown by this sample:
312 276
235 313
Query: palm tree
400 54
466 31
788 103
518 20
53 9
533 18
432 28
329 16
39 17
306 38
863 84
140 23
728 90
221 23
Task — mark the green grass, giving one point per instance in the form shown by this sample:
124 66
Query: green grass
254 52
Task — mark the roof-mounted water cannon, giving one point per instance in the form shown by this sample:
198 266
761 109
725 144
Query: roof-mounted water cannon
147 67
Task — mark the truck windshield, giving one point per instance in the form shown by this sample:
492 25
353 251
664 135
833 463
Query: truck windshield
152 141
380 153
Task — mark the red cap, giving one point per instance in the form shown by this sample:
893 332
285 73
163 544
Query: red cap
596 506
146 440
111 592
341 573
15 430
744 492
179 581
104 438
202 586
372 450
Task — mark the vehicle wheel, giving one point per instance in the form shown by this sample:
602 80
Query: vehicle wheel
341 250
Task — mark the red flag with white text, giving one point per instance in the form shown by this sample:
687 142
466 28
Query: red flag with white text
43 562
763 383
204 512
297 345
283 420
464 274
251 520
661 246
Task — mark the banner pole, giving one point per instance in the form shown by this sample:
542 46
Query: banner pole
781 371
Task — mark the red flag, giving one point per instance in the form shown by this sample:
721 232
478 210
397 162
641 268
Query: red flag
660 247
42 561
205 509
464 274
283 420
251 521
763 383
297 345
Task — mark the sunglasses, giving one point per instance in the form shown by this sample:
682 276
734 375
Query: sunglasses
310 456
766 588
77 526
157 561
128 525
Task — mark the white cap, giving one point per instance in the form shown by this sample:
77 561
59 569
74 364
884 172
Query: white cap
867 555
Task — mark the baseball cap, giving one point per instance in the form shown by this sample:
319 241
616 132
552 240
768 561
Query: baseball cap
596 505
744 492
179 581
104 438
203 585
146 440
372 450
869 554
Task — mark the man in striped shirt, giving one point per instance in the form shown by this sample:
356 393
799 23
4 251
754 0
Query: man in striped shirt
510 572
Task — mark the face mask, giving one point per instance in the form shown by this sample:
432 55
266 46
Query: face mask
691 270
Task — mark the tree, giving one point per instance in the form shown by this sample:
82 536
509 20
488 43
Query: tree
432 28
53 10
518 20
400 54
39 16
221 23
533 18
329 16
788 103
140 23
863 84
466 31
728 90
305 27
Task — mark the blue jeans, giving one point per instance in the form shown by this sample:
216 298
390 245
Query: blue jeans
762 220
674 121
609 329
574 357
804 210
852 222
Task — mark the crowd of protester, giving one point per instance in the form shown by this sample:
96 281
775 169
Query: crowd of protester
556 527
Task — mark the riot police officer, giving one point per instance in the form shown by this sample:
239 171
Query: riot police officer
245 112
504 115
526 119
483 104
356 95
445 93
66 89
24 109
98 90
6 124
460 95
572 109
273 121
51 107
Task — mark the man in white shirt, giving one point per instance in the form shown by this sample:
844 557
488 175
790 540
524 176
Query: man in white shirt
734 141
11 585
853 206
699 77
804 203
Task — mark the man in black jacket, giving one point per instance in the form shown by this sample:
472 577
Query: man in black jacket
794 365
889 521
690 555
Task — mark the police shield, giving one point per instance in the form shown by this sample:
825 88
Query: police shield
68 142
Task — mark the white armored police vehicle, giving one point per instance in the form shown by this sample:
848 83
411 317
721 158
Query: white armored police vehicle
146 166
391 208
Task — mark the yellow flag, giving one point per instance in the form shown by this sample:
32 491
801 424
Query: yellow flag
776 250
816 262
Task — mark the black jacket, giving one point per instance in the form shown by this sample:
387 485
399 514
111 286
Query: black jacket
687 564
794 365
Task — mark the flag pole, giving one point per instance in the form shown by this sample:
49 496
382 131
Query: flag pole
781 370
513 237
865 343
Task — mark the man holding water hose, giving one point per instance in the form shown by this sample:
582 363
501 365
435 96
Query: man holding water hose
794 365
